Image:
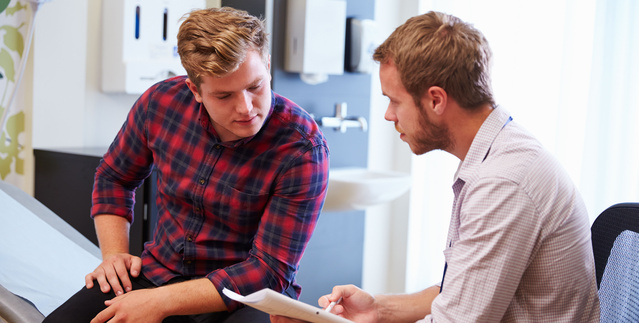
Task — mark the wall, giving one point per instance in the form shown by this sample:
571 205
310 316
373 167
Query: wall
386 230
69 108
71 111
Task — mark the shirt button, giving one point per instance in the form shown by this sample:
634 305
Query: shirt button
197 209
189 238
202 181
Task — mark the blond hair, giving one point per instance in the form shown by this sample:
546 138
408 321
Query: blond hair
436 49
215 41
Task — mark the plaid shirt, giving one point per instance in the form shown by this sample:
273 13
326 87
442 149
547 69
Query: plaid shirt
240 212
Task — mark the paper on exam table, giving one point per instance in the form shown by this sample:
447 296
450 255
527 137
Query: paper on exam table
37 262
272 302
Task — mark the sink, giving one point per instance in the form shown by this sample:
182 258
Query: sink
359 188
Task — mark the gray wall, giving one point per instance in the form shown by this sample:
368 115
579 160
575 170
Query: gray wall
335 253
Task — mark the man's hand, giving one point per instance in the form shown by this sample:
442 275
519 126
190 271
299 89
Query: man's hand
155 304
356 305
282 319
137 306
113 273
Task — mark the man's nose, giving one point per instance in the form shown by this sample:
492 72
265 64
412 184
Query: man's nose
389 115
245 103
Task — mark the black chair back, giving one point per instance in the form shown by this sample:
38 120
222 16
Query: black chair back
615 243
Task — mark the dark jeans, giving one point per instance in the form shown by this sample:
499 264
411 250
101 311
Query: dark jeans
87 303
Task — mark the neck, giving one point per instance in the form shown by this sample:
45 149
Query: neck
464 125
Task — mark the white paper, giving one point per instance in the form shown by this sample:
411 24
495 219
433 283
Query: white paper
272 302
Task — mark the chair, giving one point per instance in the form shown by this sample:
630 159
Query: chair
615 243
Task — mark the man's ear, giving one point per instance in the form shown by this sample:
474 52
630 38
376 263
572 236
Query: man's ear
194 90
268 67
436 99
268 63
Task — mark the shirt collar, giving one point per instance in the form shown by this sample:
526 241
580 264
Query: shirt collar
482 142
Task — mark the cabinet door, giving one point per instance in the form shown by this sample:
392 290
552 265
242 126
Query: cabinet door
64 182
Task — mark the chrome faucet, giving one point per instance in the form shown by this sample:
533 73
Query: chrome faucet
341 120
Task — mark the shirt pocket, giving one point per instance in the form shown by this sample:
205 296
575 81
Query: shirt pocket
242 211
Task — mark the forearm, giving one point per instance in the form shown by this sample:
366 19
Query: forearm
406 307
191 297
113 234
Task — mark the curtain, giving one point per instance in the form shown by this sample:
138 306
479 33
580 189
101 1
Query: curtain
567 70
610 172
16 19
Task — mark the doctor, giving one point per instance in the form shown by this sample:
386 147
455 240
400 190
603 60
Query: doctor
518 247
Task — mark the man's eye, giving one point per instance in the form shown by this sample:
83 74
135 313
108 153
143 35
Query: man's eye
222 97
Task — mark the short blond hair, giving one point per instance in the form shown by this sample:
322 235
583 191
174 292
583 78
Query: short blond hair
437 49
215 41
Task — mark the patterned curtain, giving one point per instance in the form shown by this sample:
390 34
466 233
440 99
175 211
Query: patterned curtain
16 20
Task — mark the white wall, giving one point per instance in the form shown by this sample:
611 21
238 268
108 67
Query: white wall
69 110
386 230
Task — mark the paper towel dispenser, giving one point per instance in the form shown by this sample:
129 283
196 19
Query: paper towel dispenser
361 44
315 38
139 42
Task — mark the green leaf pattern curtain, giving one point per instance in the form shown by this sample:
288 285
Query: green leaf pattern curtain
15 141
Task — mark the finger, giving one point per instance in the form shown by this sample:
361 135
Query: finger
338 309
103 316
339 292
88 281
136 266
100 276
324 301
282 319
113 280
123 276
110 302
343 291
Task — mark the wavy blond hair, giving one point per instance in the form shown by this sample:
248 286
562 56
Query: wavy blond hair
215 41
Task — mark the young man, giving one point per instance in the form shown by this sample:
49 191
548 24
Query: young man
242 175
518 246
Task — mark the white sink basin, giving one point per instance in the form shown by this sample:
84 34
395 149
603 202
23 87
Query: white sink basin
359 188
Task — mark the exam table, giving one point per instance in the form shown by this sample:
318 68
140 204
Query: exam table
43 260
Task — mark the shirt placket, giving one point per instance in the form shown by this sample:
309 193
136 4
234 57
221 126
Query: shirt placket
453 229
195 222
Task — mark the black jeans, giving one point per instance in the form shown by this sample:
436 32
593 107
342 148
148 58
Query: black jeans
87 303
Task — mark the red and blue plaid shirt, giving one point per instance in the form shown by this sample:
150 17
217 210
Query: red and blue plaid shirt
240 213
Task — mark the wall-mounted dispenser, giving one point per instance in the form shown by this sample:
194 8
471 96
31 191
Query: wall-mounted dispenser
315 33
361 45
139 42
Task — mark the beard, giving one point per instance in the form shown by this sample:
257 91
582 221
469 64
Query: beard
430 136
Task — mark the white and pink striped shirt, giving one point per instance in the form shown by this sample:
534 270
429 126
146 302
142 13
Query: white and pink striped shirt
519 245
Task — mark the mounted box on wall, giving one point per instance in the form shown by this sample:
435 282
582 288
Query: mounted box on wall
139 42
362 42
315 33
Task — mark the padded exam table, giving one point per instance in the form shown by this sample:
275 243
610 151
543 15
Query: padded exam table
43 260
